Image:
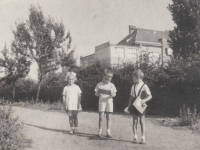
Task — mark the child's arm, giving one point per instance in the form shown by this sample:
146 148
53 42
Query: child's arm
79 100
97 90
64 95
132 95
149 96
113 91
63 99
113 95
130 101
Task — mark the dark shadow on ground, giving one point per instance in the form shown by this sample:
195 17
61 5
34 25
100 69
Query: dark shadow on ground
96 137
87 135
49 129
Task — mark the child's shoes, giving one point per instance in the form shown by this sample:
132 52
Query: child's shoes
75 131
109 135
135 141
71 131
99 134
142 141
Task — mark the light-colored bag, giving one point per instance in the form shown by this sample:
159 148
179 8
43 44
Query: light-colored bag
138 102
138 105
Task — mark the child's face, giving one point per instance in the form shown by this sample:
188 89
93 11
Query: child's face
107 77
135 79
70 80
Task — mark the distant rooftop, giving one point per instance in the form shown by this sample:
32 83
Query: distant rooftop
143 35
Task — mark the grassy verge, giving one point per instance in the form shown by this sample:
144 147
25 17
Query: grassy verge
188 119
11 136
56 106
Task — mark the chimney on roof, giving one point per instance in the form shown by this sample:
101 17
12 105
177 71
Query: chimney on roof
131 29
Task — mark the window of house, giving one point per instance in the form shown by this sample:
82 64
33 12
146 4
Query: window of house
131 53
119 52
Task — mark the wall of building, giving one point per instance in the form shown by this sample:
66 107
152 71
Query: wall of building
87 60
102 53
117 54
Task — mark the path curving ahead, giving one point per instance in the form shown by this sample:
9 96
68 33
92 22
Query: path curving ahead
49 131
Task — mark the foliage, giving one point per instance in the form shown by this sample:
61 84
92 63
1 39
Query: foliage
16 65
10 130
45 42
188 117
184 38
171 86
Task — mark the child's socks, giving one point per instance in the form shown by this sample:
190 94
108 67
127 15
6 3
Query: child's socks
143 138
100 130
108 130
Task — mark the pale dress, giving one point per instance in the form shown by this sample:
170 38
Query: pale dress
72 93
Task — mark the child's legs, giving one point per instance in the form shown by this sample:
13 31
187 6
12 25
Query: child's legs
135 123
109 110
142 124
100 120
71 118
75 117
108 118
102 106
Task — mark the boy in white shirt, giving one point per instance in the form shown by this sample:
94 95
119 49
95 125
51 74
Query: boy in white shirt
106 91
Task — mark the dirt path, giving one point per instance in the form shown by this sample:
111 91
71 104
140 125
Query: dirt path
49 131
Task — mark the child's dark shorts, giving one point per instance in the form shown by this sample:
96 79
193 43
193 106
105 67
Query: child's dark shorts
134 111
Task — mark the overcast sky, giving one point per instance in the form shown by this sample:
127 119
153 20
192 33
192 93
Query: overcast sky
91 22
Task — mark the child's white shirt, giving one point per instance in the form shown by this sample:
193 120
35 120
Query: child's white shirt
72 93
137 88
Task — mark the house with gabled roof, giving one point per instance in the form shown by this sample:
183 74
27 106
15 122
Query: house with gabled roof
137 43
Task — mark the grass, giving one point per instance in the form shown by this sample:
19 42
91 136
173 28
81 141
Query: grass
57 106
11 136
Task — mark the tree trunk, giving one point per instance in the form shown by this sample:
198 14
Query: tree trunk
38 91
13 92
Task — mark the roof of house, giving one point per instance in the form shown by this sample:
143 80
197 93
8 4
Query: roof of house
83 57
144 35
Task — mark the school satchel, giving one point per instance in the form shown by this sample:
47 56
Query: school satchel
137 103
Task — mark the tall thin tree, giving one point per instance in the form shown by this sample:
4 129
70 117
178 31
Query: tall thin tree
43 39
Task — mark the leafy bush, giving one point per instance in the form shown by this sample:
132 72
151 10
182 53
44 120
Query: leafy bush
188 117
10 130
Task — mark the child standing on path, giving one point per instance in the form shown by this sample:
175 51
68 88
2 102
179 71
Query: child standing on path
106 91
138 89
72 101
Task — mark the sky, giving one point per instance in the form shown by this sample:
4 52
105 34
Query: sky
90 22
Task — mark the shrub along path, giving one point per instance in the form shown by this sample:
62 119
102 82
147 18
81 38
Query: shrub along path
49 131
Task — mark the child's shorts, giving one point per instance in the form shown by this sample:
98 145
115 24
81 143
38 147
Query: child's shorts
134 111
106 105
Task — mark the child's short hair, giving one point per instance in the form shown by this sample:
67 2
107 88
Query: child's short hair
108 71
138 73
71 74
